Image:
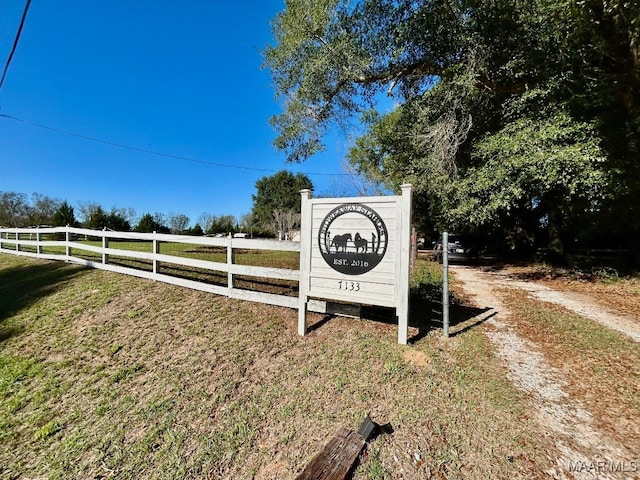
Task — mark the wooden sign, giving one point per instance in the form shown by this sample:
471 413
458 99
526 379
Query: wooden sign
356 250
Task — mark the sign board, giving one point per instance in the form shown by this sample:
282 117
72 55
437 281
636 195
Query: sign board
356 250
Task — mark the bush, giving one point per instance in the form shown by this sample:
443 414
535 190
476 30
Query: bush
425 281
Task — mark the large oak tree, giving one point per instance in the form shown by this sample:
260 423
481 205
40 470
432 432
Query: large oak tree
514 115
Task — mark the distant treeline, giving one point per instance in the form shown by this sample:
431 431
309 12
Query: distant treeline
21 210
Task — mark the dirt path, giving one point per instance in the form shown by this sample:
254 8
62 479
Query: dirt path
579 303
564 419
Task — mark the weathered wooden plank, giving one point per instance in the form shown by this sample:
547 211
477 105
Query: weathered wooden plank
336 460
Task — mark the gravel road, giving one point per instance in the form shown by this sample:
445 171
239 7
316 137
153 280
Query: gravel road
563 418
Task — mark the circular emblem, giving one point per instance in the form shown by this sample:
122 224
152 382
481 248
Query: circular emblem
353 238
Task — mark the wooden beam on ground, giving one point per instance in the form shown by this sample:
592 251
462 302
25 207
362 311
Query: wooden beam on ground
337 459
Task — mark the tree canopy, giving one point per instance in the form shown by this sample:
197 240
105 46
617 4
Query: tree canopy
65 215
277 200
16 210
521 115
222 224
114 220
178 222
149 224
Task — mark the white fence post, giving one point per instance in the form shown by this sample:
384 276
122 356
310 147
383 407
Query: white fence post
17 238
230 262
155 252
67 248
38 248
105 245
305 260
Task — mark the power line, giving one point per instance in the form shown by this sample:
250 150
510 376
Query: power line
15 42
160 154
119 145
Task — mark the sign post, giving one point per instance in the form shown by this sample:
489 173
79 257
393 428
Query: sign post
356 250
305 260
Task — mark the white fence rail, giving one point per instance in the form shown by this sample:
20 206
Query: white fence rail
73 245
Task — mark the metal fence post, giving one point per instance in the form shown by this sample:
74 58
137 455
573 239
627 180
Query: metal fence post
445 283
414 249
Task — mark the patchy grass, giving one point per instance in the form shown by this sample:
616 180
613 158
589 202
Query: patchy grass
621 294
602 366
109 376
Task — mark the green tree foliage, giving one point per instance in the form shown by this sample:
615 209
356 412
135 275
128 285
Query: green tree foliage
521 114
97 219
117 221
277 193
196 230
149 224
222 224
114 220
65 215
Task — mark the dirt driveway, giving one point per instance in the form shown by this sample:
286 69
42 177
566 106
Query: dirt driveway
583 450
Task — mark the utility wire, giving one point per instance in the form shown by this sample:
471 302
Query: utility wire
15 42
160 154
119 145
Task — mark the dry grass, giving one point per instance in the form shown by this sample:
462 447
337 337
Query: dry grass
108 376
619 294
602 367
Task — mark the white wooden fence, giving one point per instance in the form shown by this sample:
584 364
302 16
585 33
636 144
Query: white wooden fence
41 243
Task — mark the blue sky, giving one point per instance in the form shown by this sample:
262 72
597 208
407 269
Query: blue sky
182 78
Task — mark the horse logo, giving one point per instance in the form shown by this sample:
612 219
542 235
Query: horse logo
360 243
343 238
340 242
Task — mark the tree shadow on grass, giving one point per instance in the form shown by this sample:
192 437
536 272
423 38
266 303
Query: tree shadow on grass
425 315
23 285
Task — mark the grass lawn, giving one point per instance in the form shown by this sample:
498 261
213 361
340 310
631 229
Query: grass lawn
109 376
